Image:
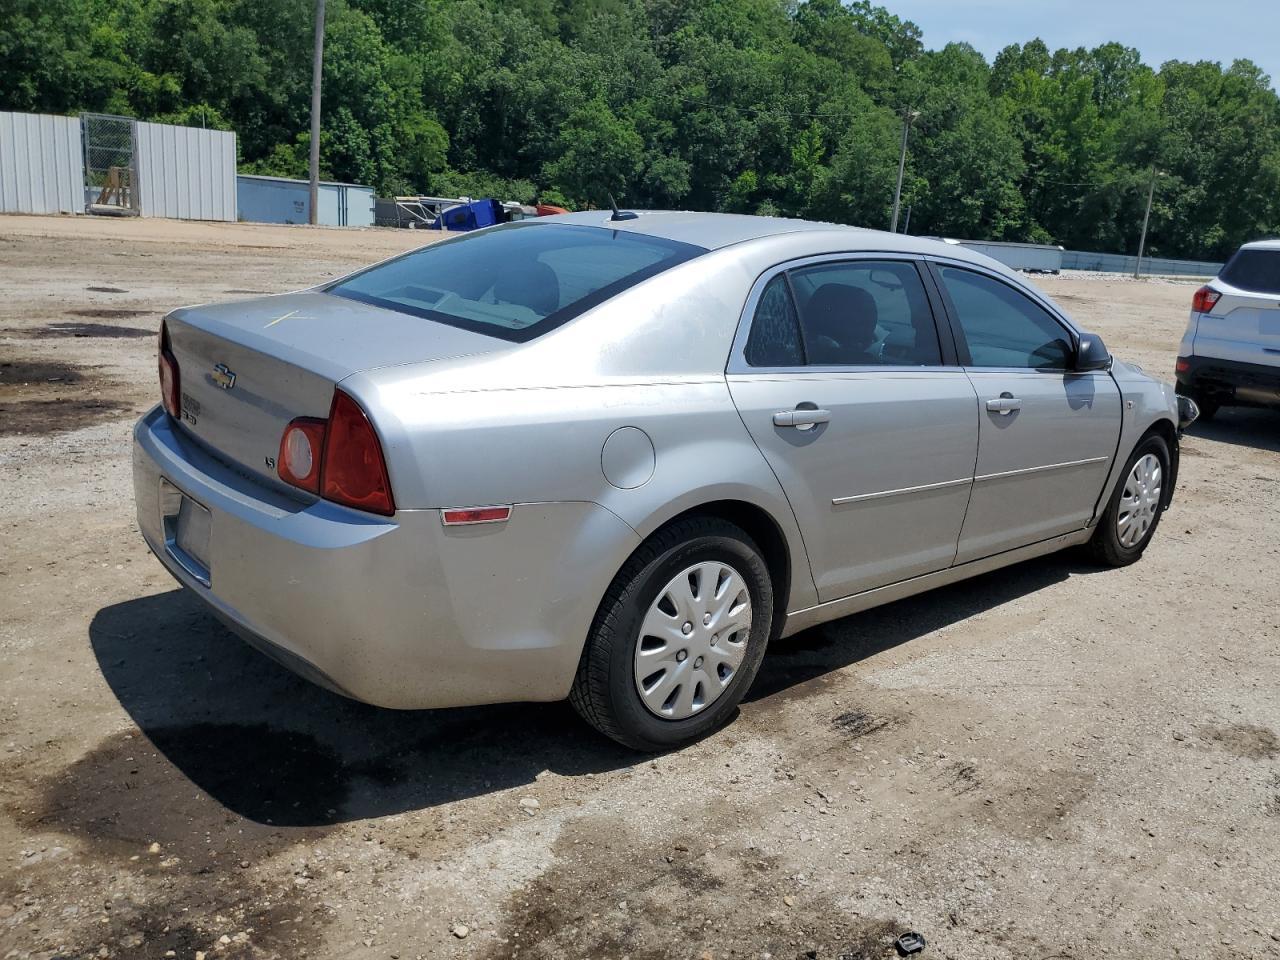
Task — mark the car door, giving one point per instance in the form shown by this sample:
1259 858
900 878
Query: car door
858 405
1046 434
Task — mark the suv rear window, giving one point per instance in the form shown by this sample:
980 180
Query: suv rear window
1257 271
515 282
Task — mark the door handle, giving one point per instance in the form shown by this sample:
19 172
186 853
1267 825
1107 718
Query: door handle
1004 404
800 417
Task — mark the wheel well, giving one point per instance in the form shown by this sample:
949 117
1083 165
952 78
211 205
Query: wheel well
763 529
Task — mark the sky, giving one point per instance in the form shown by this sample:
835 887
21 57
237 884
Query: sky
1161 30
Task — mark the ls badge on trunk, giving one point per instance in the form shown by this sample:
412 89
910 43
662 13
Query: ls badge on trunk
224 377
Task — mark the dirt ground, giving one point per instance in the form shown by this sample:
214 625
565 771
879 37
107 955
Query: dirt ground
1050 761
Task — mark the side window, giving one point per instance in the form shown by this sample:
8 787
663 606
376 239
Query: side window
866 312
1003 327
774 340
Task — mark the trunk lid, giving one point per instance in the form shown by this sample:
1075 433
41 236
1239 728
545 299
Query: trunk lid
246 369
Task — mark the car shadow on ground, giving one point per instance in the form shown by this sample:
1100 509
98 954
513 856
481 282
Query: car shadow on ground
1243 426
276 749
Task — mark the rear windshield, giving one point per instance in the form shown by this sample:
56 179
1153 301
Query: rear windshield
515 282
1257 271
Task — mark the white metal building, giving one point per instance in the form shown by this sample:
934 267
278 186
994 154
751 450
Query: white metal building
41 164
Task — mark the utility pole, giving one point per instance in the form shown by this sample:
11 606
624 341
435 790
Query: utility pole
908 117
1146 218
317 71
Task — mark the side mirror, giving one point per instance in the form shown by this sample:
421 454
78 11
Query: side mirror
1092 354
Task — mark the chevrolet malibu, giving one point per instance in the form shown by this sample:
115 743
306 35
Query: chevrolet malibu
609 457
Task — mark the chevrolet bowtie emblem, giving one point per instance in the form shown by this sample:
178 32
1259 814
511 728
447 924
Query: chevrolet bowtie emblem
223 377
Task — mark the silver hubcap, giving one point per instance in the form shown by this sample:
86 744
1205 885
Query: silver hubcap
1139 501
692 640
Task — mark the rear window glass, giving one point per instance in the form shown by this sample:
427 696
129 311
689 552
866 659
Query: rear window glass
1257 271
515 282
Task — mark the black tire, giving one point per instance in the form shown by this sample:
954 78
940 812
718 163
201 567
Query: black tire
604 691
1105 546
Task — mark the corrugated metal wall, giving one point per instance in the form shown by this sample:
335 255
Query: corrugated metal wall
41 164
282 200
186 173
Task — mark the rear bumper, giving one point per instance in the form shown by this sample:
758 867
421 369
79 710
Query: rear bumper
1230 381
395 611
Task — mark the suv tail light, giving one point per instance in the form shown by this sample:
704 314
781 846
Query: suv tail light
340 458
1204 299
170 388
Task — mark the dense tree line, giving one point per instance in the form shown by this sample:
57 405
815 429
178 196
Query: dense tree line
773 106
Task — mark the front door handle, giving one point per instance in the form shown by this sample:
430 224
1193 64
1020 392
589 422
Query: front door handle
1004 404
800 418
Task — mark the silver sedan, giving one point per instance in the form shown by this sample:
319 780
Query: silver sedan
610 457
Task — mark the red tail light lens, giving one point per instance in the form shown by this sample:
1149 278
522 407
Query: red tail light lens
353 471
1182 365
340 458
301 453
1204 299
170 388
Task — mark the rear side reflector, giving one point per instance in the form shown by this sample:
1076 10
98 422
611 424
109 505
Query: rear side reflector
301 453
1182 366
1204 299
170 385
460 516
352 470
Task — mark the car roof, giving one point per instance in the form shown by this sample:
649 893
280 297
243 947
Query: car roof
714 231
709 230
1262 245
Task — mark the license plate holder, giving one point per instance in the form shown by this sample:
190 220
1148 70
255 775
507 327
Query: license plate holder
188 526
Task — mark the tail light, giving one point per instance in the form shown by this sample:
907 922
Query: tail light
340 458
1182 365
170 389
1204 299
301 450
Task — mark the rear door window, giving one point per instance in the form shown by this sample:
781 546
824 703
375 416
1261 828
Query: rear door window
1002 327
1257 271
515 282
865 313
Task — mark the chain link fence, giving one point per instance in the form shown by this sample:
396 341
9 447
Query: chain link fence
110 164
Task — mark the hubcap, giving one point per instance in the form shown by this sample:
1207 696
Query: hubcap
1139 501
692 640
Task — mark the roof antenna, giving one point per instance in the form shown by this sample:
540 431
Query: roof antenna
619 214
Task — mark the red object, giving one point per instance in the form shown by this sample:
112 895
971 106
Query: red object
302 453
549 210
1182 366
170 388
353 471
1204 299
464 515
340 458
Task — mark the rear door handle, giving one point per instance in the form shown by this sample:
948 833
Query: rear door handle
800 418
1004 404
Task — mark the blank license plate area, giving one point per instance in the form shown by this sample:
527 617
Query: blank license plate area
187 527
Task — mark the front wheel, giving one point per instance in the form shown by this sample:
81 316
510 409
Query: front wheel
1133 513
678 637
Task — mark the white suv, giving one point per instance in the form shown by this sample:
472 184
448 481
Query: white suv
1230 354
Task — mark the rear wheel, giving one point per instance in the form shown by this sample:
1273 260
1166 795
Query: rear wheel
678 637
1133 513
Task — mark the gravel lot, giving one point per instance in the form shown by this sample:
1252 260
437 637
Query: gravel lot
1047 762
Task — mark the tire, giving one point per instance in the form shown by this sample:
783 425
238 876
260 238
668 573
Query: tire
607 689
1110 546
